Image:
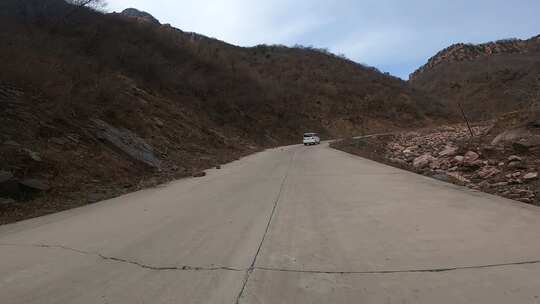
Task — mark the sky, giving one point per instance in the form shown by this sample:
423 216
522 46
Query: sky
395 36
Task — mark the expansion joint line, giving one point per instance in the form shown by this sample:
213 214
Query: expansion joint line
276 201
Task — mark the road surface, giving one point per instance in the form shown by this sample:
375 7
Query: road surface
289 225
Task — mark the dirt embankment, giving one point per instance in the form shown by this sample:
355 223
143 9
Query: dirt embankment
501 158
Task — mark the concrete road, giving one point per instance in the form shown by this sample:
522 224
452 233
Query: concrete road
289 225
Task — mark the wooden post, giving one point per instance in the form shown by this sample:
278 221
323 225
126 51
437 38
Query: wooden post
466 119
457 87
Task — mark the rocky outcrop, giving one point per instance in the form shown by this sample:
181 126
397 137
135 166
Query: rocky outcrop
127 142
140 15
468 52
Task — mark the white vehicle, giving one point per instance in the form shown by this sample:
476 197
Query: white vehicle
311 139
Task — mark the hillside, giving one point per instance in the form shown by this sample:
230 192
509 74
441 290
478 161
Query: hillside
94 105
489 79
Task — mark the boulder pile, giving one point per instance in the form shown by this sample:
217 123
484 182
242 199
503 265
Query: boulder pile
449 154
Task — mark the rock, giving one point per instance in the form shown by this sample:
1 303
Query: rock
11 143
522 192
399 161
423 161
127 142
397 147
515 181
488 149
500 184
59 141
520 138
492 162
501 164
218 167
513 158
140 15
488 172
199 174
524 144
519 147
5 176
485 184
159 122
410 151
6 201
95 197
74 138
470 158
473 165
449 151
437 164
459 159
441 177
530 176
35 184
517 165
33 155
526 200
513 196
473 186
457 176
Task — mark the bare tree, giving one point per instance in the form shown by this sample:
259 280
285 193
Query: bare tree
93 4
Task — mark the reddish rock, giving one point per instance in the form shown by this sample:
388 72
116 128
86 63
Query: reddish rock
423 161
458 159
457 176
470 158
488 172
449 151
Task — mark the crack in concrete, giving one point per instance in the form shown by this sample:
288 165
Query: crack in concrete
420 270
127 261
273 269
278 197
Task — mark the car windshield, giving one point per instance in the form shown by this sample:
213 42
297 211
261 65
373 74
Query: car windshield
309 134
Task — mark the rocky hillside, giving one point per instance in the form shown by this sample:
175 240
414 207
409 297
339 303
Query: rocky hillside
488 79
93 105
